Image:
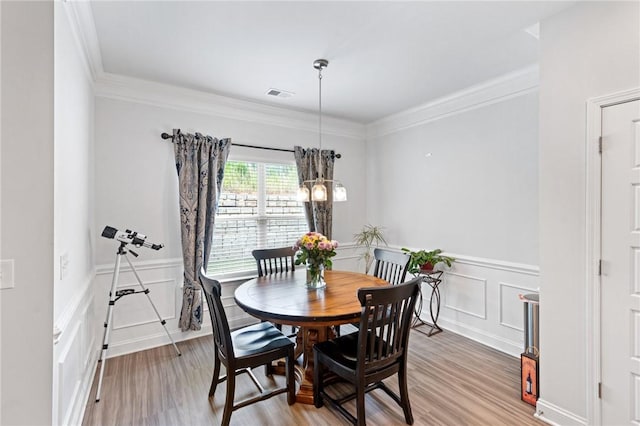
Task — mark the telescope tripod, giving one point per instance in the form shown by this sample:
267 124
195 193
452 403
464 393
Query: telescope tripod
114 296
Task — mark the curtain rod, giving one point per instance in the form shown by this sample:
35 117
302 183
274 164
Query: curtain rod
268 148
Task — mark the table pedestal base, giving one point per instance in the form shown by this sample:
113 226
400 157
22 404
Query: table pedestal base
306 338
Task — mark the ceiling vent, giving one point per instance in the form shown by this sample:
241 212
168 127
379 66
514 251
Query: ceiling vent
279 93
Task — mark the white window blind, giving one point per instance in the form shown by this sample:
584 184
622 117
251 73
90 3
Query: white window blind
257 209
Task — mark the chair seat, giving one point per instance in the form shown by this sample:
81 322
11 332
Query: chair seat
256 338
344 349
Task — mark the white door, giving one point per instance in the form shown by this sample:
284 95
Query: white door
620 280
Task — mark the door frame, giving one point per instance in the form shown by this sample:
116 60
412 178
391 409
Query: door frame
593 222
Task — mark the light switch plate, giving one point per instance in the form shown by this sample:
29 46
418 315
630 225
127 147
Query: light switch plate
6 274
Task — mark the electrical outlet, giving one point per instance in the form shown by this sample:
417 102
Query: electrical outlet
64 265
6 274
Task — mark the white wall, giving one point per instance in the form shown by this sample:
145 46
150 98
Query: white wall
75 344
475 197
73 162
136 188
136 183
26 312
589 50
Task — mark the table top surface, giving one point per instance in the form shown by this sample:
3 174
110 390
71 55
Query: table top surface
284 298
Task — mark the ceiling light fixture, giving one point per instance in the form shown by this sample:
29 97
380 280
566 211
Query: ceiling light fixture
319 190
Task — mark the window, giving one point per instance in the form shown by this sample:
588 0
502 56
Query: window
257 209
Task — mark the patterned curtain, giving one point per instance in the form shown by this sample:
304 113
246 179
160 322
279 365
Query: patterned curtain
319 214
200 164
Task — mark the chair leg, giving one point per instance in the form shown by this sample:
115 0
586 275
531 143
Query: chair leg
268 368
360 416
404 395
228 403
317 381
216 374
290 377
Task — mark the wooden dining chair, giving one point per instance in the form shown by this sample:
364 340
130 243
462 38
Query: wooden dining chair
390 265
244 349
273 261
378 350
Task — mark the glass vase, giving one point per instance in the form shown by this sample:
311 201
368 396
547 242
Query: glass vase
315 275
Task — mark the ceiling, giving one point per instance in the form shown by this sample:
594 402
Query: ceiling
384 56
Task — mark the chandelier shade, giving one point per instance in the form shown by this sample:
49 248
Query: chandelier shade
339 192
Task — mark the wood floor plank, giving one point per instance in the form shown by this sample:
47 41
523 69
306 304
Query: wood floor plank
452 381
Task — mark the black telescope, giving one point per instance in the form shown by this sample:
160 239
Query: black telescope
129 237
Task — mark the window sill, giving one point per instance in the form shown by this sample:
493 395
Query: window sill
231 278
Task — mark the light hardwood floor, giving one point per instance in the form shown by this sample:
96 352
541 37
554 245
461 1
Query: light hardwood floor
452 381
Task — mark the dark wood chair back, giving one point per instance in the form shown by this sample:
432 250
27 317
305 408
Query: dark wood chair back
386 316
221 330
273 261
390 265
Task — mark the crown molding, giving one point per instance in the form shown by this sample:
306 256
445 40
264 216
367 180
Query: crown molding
131 89
496 90
163 95
83 27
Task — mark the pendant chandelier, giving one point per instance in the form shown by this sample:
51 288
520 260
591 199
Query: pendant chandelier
319 189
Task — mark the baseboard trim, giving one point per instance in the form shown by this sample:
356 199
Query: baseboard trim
554 415
498 343
155 340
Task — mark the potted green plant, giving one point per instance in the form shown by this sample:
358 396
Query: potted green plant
426 260
367 238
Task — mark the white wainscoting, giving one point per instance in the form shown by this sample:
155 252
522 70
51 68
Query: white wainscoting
74 357
554 415
135 326
479 300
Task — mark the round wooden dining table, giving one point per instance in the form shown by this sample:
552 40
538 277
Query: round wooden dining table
284 299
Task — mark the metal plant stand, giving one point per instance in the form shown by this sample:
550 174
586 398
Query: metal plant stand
433 280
